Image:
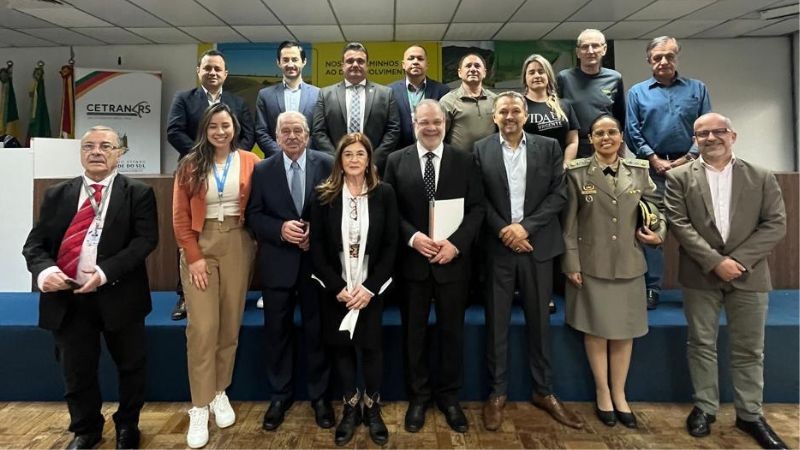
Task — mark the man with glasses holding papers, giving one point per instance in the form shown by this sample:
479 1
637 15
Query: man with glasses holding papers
434 269
523 176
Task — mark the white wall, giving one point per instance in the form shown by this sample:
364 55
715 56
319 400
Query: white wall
749 80
175 62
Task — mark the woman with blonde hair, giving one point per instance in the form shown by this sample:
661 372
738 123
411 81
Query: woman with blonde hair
212 186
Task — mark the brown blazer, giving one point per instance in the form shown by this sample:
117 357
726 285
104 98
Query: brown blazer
189 212
600 221
758 223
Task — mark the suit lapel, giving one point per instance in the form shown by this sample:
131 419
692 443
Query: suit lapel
282 185
737 187
200 101
369 97
306 102
412 168
311 175
118 189
403 105
336 220
532 153
342 99
699 174
498 164
624 180
279 96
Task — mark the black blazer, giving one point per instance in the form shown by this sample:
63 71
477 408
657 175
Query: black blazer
381 120
187 110
545 193
326 240
458 177
433 90
130 234
271 204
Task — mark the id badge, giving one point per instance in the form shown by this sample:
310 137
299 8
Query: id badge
93 238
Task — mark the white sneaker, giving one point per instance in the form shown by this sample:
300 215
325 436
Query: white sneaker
224 415
260 303
198 427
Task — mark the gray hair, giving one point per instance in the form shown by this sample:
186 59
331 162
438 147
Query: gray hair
661 40
106 129
286 114
512 94
431 102
589 31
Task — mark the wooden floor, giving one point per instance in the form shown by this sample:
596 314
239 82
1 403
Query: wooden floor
661 425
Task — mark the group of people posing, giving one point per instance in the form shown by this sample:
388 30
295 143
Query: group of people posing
338 215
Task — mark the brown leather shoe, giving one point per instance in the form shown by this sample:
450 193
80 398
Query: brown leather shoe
493 412
556 409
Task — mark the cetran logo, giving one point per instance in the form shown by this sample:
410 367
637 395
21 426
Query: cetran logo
118 110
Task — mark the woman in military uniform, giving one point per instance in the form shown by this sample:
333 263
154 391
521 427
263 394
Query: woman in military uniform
604 262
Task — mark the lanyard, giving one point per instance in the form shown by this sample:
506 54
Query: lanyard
221 181
97 207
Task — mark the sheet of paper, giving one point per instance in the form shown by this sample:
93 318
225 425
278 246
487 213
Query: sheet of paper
445 217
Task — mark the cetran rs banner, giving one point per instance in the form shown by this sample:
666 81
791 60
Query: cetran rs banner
130 103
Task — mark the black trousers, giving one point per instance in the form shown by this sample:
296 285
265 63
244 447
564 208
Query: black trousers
535 282
78 353
449 301
279 305
345 362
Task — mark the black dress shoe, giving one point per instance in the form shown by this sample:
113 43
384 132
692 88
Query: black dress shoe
275 414
179 311
608 418
88 440
128 437
373 420
415 416
323 413
761 431
455 417
626 418
652 299
698 424
351 418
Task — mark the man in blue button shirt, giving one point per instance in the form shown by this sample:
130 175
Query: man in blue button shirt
660 115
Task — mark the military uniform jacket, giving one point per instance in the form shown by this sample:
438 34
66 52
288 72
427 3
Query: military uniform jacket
600 219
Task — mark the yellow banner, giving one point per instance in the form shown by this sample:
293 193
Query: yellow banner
384 66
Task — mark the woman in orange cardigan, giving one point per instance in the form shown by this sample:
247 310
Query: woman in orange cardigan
209 197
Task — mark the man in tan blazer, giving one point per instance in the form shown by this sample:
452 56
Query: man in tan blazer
727 215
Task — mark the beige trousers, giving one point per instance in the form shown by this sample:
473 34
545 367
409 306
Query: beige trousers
214 316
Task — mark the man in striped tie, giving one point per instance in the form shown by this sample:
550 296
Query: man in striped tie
87 254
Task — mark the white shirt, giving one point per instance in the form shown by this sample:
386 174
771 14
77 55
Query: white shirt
287 166
516 164
210 98
88 256
437 162
720 182
362 95
229 205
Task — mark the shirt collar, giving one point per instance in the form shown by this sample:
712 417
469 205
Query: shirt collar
289 88
504 143
422 87
461 92
677 80
422 151
347 84
710 167
208 94
105 181
287 162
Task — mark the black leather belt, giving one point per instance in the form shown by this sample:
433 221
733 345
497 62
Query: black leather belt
669 156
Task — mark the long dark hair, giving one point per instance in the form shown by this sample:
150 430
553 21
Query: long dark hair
331 187
194 167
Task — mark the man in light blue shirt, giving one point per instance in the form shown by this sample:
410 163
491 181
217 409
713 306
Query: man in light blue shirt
660 115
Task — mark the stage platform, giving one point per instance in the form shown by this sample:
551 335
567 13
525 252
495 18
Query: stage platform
658 371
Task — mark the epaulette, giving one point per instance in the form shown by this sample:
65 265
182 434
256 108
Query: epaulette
580 162
634 162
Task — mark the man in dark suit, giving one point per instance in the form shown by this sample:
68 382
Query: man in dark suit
410 91
184 117
278 213
291 94
523 177
439 270
728 215
357 104
87 254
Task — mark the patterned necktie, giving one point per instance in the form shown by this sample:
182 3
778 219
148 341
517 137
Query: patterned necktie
297 188
354 121
70 251
429 178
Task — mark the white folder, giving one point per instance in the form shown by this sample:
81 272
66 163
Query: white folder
445 217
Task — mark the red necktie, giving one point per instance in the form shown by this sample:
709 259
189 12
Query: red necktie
70 251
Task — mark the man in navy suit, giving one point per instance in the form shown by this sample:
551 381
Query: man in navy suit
357 105
278 213
410 91
87 254
184 117
291 94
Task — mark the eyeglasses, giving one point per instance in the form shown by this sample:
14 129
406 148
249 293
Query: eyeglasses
601 133
586 47
718 132
105 147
